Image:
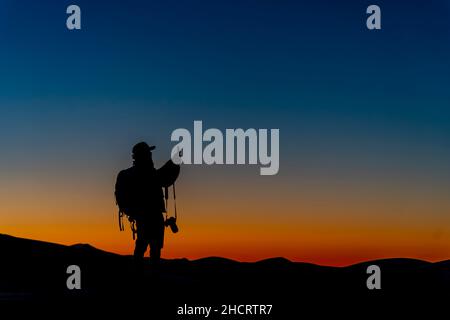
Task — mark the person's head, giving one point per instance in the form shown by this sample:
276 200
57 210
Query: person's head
142 154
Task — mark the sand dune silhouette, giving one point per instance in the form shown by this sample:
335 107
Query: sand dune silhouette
35 271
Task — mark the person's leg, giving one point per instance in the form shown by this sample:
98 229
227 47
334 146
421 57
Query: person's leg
155 252
141 243
140 248
139 251
157 241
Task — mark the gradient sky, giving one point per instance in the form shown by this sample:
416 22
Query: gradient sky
364 121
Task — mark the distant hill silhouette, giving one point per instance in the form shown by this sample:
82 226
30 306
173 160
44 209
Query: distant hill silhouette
34 272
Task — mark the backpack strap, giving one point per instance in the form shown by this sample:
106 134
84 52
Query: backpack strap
132 224
121 227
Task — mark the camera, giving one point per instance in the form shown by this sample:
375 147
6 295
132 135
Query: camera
172 223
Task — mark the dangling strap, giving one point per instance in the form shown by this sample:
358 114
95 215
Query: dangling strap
133 229
166 197
175 201
121 227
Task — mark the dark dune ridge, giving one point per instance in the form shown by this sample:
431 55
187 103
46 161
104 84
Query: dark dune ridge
34 272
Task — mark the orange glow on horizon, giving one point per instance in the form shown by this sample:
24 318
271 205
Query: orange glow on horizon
324 227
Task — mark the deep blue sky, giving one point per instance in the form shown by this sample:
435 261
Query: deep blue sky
347 100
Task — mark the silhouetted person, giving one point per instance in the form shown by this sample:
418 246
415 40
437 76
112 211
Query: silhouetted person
140 196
